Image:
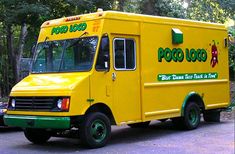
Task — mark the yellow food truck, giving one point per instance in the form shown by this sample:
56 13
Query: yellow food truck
107 68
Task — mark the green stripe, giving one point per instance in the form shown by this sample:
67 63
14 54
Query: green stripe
37 121
187 76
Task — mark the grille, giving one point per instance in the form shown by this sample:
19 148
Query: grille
34 103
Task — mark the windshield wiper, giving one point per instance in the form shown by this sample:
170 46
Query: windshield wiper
64 49
77 39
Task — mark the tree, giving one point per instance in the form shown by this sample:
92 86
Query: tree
20 24
229 7
21 17
86 6
206 10
211 10
17 14
169 8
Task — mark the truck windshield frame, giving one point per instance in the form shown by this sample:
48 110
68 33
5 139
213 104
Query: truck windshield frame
69 55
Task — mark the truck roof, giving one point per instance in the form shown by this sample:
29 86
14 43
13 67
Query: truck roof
132 17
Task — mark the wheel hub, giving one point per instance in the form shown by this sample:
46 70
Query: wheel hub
98 130
193 116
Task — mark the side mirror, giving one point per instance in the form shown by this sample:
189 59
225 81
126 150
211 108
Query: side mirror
106 62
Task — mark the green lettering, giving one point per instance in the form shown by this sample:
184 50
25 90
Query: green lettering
160 54
203 55
79 27
187 55
167 54
64 29
71 29
199 55
83 26
75 27
53 31
174 56
180 55
193 55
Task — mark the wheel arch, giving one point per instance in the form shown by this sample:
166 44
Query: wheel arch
103 108
193 96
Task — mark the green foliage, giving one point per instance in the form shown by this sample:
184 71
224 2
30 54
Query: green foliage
169 8
85 6
211 10
228 7
132 6
231 31
18 11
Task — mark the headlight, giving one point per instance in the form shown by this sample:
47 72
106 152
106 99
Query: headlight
63 104
13 103
59 103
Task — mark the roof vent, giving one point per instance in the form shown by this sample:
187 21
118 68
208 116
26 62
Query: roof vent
177 36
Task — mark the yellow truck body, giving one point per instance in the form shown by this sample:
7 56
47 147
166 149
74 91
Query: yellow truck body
164 64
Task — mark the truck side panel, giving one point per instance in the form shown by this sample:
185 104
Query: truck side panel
166 81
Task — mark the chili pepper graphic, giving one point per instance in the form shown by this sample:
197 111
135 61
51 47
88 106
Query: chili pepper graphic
214 54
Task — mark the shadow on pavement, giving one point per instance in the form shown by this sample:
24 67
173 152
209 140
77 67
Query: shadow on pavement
9 130
120 135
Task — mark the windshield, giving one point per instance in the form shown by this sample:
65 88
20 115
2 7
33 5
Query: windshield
65 55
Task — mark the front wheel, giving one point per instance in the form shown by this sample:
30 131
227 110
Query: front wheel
37 136
95 130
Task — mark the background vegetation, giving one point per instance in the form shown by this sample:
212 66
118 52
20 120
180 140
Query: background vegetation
20 21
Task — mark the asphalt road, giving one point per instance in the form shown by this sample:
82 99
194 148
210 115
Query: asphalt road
209 138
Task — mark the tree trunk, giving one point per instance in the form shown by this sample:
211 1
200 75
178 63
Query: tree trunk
10 53
14 55
19 52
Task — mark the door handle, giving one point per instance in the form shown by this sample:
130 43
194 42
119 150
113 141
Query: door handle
114 76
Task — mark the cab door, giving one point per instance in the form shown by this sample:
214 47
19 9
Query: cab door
126 78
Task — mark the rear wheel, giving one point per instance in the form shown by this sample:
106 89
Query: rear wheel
37 136
191 118
140 125
95 130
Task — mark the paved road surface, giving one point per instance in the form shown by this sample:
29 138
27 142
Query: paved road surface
209 138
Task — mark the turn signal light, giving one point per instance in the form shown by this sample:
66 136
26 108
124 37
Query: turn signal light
63 104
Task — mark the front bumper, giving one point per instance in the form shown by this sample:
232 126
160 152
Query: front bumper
37 121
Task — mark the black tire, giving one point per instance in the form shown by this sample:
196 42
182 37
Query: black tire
140 125
191 118
95 130
37 136
211 116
